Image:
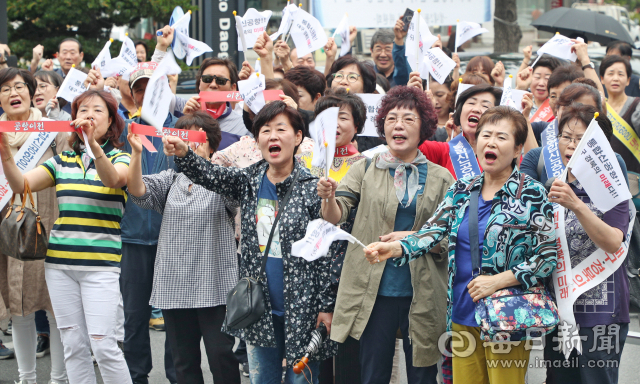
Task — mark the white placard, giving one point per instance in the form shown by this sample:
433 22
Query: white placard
439 64
343 32
252 91
372 103
385 13
254 23
307 33
73 85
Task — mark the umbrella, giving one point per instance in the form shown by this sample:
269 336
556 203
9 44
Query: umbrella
590 25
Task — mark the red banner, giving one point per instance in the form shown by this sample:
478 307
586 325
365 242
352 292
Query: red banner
36 126
183 134
544 113
221 96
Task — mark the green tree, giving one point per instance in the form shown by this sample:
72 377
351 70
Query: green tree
47 22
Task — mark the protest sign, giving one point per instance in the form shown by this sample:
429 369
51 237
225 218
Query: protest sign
251 92
307 33
372 103
73 85
253 24
158 95
288 13
439 64
558 46
465 30
419 40
343 32
324 136
318 238
104 57
185 47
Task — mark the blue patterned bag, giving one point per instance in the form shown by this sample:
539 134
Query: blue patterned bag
510 314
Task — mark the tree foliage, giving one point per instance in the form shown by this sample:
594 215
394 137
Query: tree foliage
47 22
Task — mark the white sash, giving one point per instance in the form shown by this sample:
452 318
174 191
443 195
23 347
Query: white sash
570 283
26 159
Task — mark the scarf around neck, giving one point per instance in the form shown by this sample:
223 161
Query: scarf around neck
387 161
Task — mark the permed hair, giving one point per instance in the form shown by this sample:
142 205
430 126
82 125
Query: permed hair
409 98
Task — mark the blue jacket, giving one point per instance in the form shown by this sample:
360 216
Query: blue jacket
142 226
401 68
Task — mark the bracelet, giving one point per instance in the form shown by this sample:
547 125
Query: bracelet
7 159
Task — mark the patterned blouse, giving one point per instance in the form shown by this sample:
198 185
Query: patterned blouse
520 234
245 152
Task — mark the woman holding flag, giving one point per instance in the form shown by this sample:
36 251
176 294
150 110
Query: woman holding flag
510 249
23 289
82 267
602 312
298 294
396 194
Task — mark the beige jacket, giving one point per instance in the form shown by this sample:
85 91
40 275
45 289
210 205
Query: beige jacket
23 289
360 281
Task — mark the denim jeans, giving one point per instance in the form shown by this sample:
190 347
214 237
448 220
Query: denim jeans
265 364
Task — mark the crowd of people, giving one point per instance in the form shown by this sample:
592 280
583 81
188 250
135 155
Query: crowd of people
132 230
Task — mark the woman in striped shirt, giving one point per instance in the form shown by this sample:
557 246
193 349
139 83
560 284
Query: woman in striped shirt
82 267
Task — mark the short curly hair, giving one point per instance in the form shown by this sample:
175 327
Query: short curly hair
410 98
339 98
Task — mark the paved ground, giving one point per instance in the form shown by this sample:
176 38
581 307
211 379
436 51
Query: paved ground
9 368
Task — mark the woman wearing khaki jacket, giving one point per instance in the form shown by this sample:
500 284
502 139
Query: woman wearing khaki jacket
23 290
397 194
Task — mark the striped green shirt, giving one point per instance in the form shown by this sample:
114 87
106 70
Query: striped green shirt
86 236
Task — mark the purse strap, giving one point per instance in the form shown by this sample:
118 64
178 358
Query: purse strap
474 240
275 224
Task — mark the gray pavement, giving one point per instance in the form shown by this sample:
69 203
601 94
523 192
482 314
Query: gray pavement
536 375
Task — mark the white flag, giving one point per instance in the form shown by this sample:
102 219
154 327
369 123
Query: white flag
320 234
439 64
343 31
595 166
507 97
186 47
288 13
252 91
253 24
559 46
465 30
461 88
124 63
158 95
324 136
103 58
128 52
73 85
414 51
372 102
307 33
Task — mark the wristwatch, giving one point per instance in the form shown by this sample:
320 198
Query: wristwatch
589 65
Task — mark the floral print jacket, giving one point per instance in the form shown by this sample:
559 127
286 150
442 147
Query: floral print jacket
520 234
307 286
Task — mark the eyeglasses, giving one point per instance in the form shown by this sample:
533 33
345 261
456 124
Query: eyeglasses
407 120
210 78
19 87
378 50
352 77
42 87
567 140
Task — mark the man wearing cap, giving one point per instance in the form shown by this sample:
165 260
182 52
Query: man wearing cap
140 232
214 75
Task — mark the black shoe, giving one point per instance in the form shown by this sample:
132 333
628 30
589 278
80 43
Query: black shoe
245 369
9 330
43 346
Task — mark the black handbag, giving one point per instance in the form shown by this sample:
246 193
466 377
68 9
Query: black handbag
245 302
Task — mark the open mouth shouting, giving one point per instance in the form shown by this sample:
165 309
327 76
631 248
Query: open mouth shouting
399 139
568 157
16 103
274 150
473 121
490 157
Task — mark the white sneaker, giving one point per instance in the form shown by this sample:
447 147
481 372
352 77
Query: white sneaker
58 382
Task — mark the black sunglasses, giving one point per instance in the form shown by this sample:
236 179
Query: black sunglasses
209 78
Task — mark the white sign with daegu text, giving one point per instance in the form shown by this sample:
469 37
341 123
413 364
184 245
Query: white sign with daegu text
73 85
307 33
385 13
253 24
372 103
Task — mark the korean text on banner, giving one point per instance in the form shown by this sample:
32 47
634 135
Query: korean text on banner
372 103
316 242
73 85
415 52
158 95
597 169
251 91
465 30
307 33
253 24
439 64
324 131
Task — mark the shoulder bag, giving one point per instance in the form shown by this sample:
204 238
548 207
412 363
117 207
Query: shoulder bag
245 302
22 235
509 314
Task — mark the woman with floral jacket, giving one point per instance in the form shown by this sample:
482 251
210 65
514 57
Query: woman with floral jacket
298 295
516 236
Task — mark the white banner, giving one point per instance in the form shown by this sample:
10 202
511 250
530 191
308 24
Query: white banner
465 30
439 64
307 33
385 13
324 138
26 159
73 85
252 91
316 242
416 48
597 169
158 95
372 103
103 57
253 24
